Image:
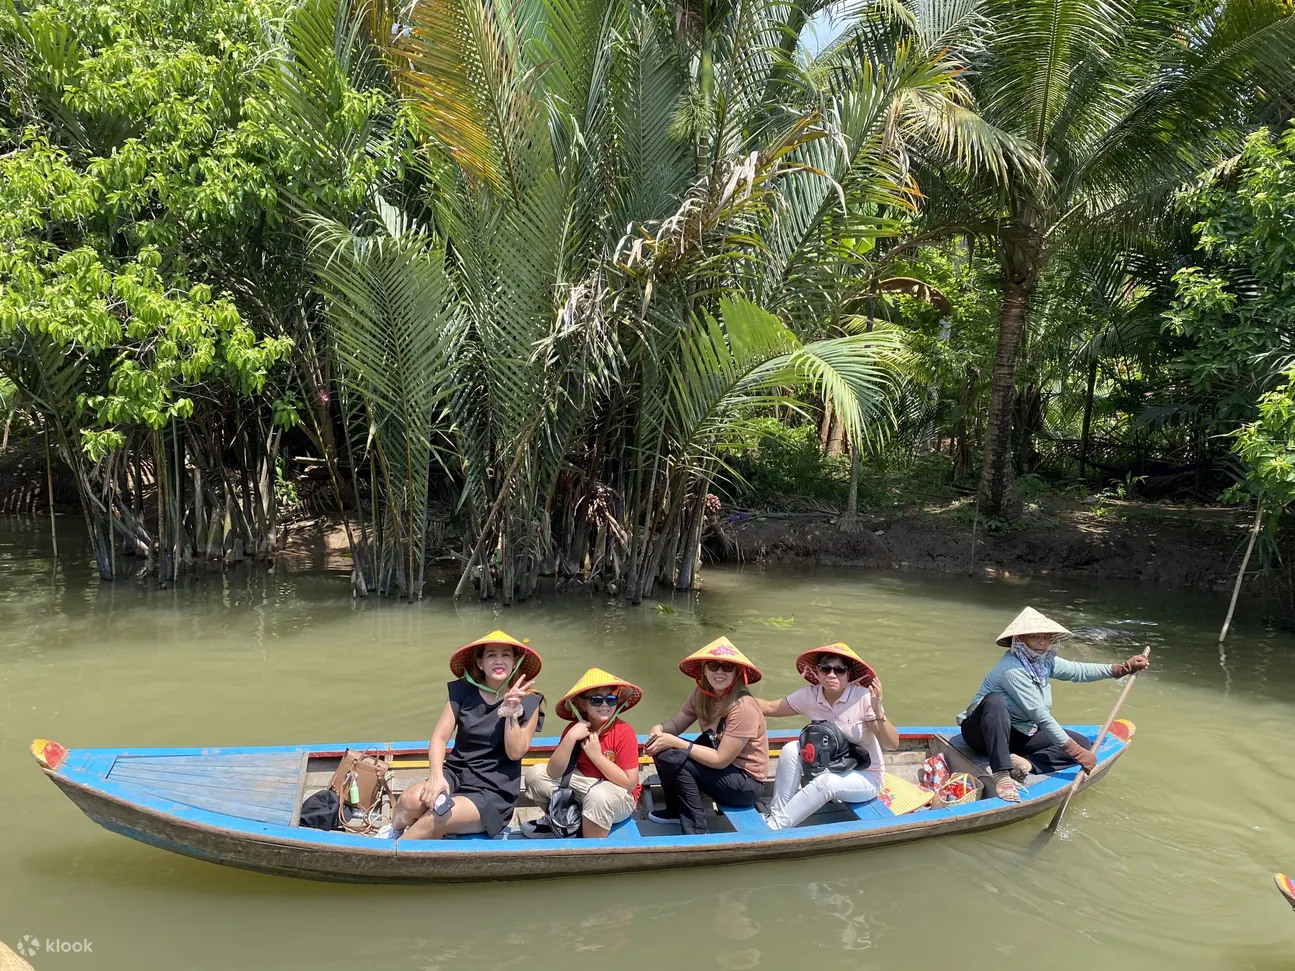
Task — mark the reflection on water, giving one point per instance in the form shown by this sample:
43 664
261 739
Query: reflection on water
1167 863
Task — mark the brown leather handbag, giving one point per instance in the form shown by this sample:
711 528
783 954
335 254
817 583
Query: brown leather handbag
370 775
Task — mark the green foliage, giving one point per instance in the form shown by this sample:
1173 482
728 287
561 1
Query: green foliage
563 260
1267 448
1236 311
126 146
1032 486
777 461
1121 102
285 489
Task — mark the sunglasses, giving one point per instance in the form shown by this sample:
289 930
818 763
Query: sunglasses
603 701
837 669
720 666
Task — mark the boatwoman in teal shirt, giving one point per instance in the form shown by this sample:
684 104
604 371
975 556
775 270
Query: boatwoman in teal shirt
1010 719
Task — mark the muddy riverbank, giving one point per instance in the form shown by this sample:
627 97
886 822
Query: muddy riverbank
1193 547
1198 547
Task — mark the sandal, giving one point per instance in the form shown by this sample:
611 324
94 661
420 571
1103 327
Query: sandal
1005 787
1021 767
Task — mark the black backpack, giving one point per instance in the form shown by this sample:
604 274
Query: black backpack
562 821
825 748
320 811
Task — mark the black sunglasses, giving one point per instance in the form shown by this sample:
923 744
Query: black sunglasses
721 666
599 700
837 669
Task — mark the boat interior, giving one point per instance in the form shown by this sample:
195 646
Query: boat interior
409 767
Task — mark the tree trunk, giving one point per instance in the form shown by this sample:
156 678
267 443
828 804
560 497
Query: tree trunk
1088 416
825 426
199 507
687 575
961 447
161 478
1020 252
836 439
852 499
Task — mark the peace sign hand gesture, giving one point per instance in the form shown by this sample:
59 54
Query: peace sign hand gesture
512 703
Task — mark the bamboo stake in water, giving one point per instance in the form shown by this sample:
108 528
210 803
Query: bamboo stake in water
1245 562
1074 786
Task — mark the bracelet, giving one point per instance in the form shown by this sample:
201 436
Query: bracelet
688 751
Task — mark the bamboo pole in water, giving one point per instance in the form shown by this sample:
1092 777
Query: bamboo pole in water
1245 562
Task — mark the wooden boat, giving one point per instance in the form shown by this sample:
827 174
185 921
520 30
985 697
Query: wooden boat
239 807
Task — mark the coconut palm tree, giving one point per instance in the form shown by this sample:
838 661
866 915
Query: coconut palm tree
1121 101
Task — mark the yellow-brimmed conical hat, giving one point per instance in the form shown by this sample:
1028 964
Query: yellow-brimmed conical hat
1030 621
807 664
530 666
630 694
720 649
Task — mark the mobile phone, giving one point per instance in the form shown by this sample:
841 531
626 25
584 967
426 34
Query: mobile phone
443 804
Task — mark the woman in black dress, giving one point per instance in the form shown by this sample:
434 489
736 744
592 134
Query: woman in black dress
493 716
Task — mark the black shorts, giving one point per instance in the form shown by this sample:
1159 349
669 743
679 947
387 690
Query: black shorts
494 808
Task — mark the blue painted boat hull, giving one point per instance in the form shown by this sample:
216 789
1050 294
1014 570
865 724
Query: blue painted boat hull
237 807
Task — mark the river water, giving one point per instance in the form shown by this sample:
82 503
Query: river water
1166 864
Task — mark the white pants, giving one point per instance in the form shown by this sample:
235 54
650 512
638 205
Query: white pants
793 805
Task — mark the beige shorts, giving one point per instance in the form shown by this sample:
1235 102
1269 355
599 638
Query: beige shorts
603 803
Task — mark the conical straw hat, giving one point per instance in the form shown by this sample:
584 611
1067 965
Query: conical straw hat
807 664
1030 621
530 666
630 694
720 649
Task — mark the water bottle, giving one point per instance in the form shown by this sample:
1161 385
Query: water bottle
355 790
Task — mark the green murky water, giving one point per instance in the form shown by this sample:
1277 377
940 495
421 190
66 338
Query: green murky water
1166 864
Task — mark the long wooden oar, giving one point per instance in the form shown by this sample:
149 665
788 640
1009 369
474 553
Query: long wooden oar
1074 786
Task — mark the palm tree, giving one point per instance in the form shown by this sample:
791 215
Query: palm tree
1121 101
636 211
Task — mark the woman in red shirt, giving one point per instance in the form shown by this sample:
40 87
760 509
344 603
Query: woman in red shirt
606 777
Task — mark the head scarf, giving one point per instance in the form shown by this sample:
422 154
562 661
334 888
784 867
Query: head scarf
1039 665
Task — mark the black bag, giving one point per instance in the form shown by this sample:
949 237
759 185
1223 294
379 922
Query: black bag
321 811
562 821
711 736
825 748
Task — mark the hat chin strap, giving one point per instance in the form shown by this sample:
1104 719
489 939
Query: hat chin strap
467 676
701 685
575 710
